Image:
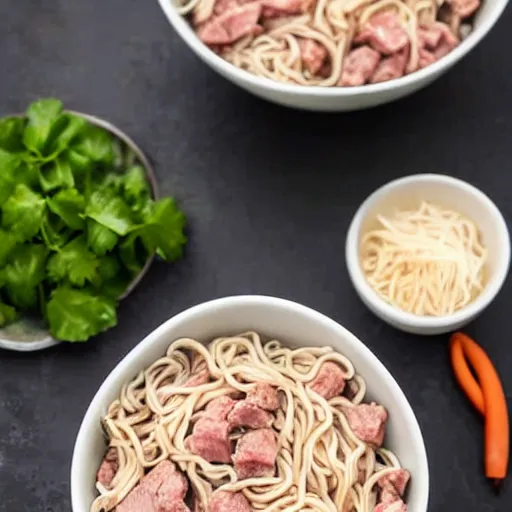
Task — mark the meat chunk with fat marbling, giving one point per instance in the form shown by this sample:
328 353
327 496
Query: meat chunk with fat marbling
391 67
264 395
384 33
434 42
277 8
256 453
368 422
359 66
210 440
231 25
222 501
246 414
108 468
392 485
219 408
329 381
163 489
397 506
313 55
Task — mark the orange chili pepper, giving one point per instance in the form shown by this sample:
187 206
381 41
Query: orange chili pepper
488 397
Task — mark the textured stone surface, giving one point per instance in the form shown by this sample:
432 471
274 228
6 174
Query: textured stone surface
269 193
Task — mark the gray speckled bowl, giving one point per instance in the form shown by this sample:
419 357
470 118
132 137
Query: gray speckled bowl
29 334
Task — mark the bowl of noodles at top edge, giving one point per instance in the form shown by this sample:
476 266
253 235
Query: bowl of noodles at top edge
332 55
250 403
428 253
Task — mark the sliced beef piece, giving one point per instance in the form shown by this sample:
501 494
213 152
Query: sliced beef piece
464 8
256 454
163 489
391 67
246 414
313 55
384 33
329 381
222 501
265 396
397 506
392 486
359 66
219 408
277 8
210 440
108 468
231 25
368 422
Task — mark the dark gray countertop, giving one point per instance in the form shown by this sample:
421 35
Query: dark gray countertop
269 193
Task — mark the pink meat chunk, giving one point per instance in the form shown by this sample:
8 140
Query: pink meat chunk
264 396
277 8
435 42
359 66
200 378
220 407
163 489
313 55
222 6
231 25
397 506
222 501
368 422
210 440
384 33
392 486
108 468
256 454
246 414
329 381
464 8
390 68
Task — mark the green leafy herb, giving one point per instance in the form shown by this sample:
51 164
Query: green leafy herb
78 222
76 315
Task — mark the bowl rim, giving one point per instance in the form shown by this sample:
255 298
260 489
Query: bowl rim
395 315
195 313
48 341
201 50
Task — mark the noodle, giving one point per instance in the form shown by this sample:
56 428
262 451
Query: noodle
272 46
321 464
427 262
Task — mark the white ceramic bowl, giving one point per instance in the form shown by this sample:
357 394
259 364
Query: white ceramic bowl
448 192
335 99
287 321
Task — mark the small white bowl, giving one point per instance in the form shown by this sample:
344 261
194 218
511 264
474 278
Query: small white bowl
291 323
448 192
335 99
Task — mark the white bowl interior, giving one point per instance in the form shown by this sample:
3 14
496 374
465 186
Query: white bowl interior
289 322
451 193
335 98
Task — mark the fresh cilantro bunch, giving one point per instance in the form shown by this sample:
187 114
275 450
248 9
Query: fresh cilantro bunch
77 221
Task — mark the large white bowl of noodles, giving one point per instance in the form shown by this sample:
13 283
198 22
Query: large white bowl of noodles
294 325
335 99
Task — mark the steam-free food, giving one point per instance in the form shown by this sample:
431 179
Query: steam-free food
428 261
244 425
331 42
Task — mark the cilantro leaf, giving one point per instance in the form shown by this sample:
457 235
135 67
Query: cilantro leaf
110 210
11 134
23 274
69 205
135 185
63 133
132 253
100 239
23 212
42 115
163 232
96 144
54 232
8 242
8 164
109 267
74 263
7 314
56 174
76 315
